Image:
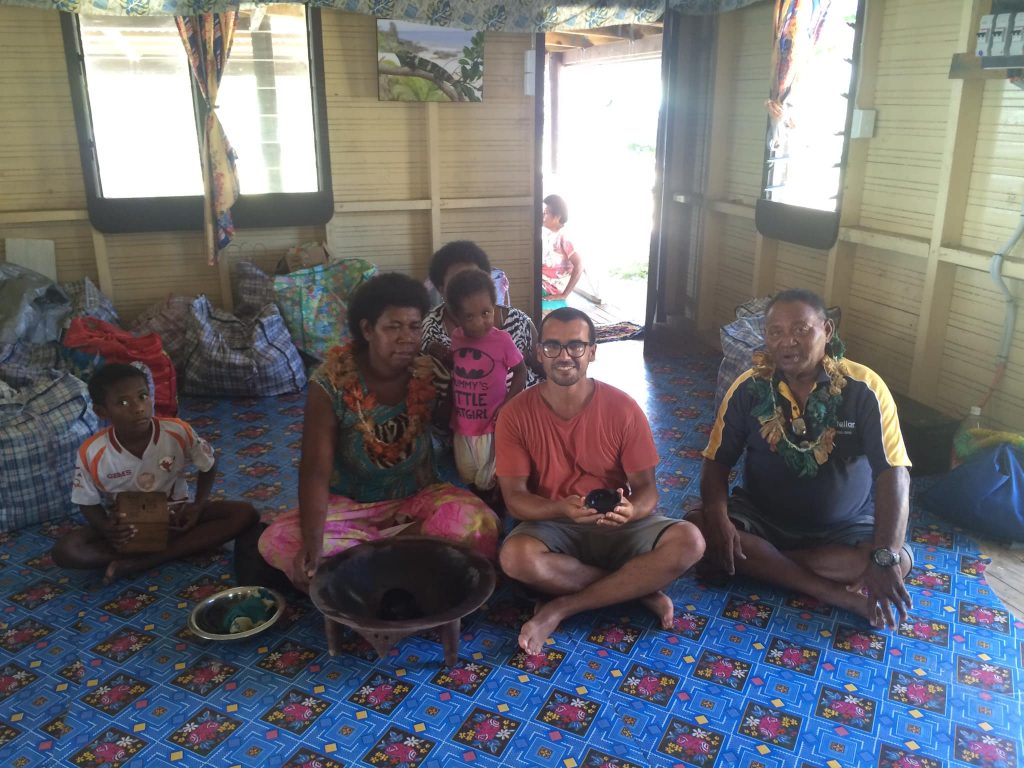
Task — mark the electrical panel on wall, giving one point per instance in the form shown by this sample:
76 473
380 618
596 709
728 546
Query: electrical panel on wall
1000 38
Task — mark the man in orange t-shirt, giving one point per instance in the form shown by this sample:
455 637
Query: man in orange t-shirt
554 444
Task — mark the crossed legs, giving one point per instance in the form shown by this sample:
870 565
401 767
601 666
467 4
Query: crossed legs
822 572
85 548
577 586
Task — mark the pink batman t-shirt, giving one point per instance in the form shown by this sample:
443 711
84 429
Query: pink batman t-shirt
479 371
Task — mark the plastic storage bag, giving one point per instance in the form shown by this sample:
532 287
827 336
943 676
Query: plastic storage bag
983 495
314 303
44 417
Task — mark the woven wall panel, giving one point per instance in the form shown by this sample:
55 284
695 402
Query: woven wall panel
912 96
972 341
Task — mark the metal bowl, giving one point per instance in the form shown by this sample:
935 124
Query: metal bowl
207 617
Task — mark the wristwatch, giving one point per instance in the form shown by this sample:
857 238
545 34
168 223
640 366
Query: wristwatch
885 558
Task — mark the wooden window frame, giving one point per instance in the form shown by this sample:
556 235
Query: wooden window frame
809 227
184 213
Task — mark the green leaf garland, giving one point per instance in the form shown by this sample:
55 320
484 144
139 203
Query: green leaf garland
821 410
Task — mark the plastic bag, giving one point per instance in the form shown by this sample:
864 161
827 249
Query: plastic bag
32 307
89 301
91 342
229 356
983 495
169 320
314 303
44 417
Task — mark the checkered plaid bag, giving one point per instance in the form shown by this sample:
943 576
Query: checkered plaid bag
44 417
754 307
26 355
744 336
251 287
89 301
32 307
239 357
740 339
168 319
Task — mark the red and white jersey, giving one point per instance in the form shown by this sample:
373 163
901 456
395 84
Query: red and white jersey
104 468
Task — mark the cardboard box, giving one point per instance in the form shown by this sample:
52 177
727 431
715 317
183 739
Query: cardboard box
148 513
305 256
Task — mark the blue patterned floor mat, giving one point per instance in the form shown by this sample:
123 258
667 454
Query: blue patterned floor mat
110 676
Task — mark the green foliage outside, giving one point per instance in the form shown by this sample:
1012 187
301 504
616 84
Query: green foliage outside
636 270
641 149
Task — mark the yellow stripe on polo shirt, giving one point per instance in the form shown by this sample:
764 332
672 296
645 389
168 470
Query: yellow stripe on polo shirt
715 438
892 438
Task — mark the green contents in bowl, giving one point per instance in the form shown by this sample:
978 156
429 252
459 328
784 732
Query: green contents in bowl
249 613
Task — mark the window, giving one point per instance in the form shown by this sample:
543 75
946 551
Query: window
805 153
140 118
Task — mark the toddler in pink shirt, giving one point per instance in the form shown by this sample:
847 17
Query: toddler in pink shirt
482 357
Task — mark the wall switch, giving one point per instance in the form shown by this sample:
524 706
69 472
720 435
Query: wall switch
983 43
863 124
529 72
1000 35
1016 44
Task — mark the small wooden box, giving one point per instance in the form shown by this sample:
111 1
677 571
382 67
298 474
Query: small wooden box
148 513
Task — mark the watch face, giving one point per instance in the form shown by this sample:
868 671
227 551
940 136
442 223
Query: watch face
885 558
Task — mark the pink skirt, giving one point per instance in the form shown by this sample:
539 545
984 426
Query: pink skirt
442 510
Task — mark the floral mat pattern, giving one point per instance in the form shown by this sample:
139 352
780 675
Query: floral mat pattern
94 675
621 331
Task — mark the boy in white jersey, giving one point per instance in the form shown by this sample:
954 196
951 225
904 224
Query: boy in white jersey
141 453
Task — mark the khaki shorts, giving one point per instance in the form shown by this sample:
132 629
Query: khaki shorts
474 458
604 547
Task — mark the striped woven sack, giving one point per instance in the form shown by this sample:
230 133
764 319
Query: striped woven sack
44 417
229 356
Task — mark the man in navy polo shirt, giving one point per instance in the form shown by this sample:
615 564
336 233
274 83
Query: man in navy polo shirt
819 433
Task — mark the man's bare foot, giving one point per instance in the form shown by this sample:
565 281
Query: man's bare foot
119 569
115 570
538 629
857 603
661 606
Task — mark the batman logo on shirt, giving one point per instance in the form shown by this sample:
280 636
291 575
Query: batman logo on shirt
473 364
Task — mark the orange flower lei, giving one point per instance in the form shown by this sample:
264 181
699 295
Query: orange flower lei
340 367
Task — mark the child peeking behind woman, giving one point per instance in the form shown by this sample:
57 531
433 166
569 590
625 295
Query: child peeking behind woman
482 356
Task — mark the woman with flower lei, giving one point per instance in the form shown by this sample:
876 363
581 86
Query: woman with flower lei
824 502
367 468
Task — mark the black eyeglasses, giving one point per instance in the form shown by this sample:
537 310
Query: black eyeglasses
553 349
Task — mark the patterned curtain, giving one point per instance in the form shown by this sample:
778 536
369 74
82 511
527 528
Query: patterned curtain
488 15
207 40
797 26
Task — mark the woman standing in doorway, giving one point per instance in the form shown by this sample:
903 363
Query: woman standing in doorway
561 264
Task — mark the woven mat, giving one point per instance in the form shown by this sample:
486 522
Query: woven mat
619 331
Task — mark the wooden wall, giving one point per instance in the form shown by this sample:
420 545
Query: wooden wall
407 177
936 190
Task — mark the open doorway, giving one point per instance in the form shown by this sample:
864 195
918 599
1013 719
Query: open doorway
601 108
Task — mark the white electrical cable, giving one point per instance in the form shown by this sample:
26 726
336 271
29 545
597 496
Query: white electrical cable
996 272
